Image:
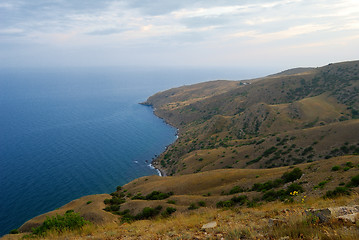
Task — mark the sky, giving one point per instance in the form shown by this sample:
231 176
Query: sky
193 33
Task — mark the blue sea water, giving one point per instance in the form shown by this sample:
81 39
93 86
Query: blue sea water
66 133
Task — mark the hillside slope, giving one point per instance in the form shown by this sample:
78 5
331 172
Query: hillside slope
230 197
293 117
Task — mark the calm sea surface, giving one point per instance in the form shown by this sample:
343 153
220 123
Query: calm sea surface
66 133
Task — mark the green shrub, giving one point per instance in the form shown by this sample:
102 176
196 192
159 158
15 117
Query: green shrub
201 204
89 202
338 191
253 203
148 212
354 182
138 196
69 221
168 211
156 195
349 164
294 187
14 231
321 185
192 206
269 151
267 185
346 168
222 204
293 175
171 201
335 168
270 196
241 199
236 189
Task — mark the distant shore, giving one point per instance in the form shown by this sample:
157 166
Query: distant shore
160 171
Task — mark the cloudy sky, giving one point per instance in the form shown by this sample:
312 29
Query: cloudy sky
246 33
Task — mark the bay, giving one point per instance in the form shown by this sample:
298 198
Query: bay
66 133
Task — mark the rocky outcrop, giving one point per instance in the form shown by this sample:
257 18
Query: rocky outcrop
344 213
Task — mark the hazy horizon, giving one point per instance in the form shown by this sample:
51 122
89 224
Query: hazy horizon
250 34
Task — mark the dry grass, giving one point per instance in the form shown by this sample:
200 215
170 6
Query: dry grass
237 223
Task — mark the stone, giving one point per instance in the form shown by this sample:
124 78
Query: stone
325 214
349 217
210 225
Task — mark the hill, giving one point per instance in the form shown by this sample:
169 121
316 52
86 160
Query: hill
278 120
261 196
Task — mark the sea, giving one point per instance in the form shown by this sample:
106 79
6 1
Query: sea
70 132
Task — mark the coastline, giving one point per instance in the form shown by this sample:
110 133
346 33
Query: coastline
153 165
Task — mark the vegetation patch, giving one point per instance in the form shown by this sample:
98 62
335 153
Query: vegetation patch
70 221
338 191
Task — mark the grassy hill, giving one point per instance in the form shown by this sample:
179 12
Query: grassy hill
297 116
252 156
242 202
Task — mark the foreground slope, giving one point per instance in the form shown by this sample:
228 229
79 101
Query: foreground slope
289 118
196 199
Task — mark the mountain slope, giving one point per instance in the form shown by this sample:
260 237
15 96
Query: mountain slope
279 120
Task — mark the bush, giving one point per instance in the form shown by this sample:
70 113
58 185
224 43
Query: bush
148 212
236 189
293 175
273 195
69 221
241 200
156 195
321 185
201 204
338 191
192 206
349 164
222 204
168 211
354 182
171 201
294 187
335 168
138 196
253 203
269 151
14 231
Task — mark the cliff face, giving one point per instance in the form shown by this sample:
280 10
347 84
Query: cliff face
296 116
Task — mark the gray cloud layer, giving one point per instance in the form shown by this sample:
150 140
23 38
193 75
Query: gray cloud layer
226 30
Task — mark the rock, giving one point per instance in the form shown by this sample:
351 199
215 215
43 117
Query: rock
323 214
326 214
284 238
349 217
210 225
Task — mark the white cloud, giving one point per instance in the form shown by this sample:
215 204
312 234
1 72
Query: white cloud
221 27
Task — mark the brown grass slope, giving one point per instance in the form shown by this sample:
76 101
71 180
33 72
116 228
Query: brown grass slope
211 187
305 116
